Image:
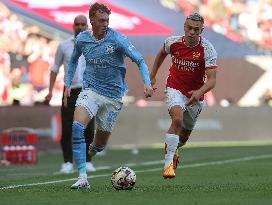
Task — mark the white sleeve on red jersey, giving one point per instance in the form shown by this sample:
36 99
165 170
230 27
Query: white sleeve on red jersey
169 41
210 54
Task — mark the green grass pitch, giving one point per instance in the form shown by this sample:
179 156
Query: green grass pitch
209 174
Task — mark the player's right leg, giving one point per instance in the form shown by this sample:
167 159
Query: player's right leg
81 119
172 140
81 183
176 103
86 108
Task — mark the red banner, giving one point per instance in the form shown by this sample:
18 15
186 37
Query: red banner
62 13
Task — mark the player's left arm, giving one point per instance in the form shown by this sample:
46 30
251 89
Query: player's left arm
207 86
137 57
210 56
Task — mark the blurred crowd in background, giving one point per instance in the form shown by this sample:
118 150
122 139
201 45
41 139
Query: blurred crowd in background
25 60
240 20
26 55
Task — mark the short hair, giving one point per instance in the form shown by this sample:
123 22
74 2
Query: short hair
196 17
98 7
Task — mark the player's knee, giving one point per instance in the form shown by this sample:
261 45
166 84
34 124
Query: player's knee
177 123
184 135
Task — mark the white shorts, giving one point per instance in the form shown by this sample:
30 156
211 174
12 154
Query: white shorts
191 113
105 109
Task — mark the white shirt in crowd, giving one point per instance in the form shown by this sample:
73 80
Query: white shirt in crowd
63 54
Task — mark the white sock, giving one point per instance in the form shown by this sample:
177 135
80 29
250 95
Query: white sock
171 141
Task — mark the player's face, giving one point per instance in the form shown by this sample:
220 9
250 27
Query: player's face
80 24
100 23
192 30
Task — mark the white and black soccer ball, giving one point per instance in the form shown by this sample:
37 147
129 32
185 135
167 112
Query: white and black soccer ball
123 178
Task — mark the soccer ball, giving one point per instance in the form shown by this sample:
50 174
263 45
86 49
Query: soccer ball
123 178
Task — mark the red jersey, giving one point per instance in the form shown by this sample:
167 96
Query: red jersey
187 71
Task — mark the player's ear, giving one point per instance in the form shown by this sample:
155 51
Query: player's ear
202 29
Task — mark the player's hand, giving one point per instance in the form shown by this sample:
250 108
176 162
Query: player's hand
66 95
148 91
153 81
48 97
195 95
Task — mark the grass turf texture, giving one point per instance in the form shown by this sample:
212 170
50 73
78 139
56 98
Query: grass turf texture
242 182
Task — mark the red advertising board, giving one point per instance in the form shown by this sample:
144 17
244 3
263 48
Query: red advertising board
62 13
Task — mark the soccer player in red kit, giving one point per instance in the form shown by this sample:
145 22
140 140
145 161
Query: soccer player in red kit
192 74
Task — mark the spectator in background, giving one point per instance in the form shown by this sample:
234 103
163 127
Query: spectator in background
5 83
231 18
63 54
193 60
38 73
21 92
21 47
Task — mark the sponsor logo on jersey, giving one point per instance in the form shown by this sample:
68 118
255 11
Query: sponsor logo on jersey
84 97
185 65
97 62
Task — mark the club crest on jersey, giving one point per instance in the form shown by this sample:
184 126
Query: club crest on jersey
177 53
84 97
196 55
109 49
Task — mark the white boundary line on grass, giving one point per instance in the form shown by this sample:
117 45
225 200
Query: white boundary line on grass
249 158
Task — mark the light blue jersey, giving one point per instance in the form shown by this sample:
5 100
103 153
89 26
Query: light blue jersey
105 63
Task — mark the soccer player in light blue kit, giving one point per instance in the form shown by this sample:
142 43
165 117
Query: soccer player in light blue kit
104 84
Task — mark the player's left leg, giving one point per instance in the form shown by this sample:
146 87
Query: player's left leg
99 143
190 117
105 119
183 138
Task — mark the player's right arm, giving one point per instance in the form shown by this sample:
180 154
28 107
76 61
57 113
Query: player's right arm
71 72
72 65
157 63
59 57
